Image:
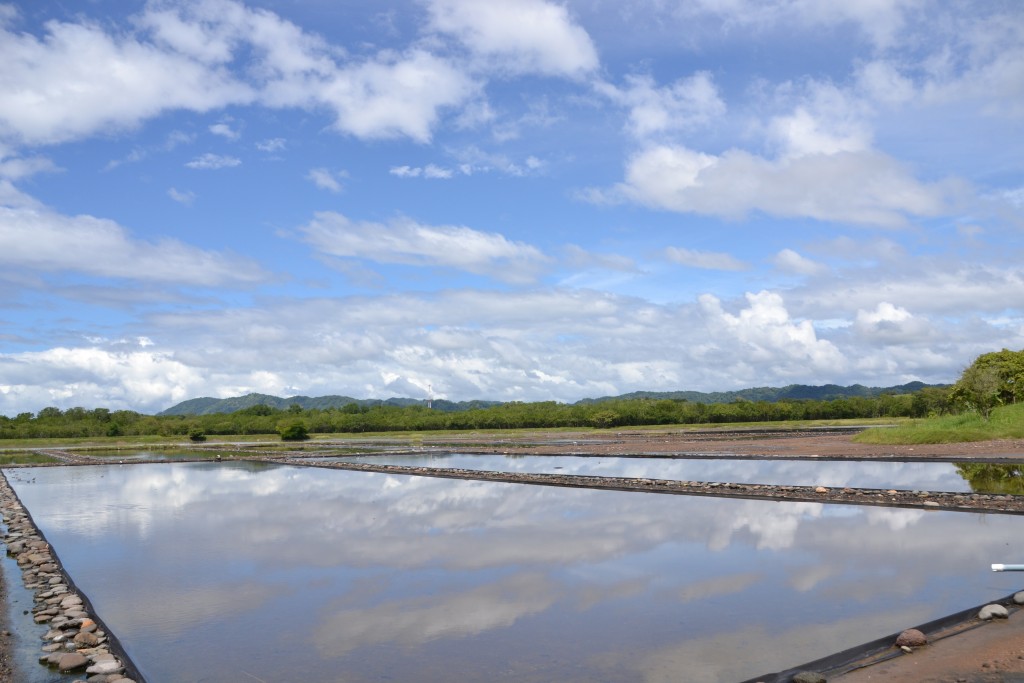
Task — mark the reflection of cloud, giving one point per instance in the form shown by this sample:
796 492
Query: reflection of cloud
719 585
173 609
714 658
419 620
425 562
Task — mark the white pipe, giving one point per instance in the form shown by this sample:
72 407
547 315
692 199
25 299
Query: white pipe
1008 567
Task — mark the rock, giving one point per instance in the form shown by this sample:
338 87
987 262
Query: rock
906 650
993 612
911 638
71 661
820 489
1018 598
931 504
86 639
809 677
110 666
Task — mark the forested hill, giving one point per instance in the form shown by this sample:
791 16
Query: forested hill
209 406
793 392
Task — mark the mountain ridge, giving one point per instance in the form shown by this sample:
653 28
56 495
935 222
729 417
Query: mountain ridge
207 405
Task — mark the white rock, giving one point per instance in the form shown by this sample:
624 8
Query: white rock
993 612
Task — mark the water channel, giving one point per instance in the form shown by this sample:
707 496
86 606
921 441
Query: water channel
250 571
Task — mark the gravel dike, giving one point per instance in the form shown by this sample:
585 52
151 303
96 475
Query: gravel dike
76 642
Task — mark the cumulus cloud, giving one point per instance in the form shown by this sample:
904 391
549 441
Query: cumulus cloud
69 82
684 105
407 242
866 188
891 324
765 330
95 376
34 238
704 259
518 36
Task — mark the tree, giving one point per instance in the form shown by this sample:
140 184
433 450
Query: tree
296 431
197 434
978 389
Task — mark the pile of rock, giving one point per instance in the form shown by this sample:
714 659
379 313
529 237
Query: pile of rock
74 642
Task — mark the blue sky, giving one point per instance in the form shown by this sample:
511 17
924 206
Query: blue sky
525 200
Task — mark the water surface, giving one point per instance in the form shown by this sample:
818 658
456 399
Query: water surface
241 571
930 476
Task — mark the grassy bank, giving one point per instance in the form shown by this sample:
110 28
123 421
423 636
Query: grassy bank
1007 422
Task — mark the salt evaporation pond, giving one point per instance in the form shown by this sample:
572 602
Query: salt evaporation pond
251 571
927 476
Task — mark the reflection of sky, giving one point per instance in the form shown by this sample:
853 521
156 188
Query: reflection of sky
209 572
927 476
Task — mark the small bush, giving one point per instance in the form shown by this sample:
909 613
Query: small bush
197 434
296 431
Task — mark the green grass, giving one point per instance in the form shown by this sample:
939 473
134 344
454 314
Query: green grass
24 458
1006 422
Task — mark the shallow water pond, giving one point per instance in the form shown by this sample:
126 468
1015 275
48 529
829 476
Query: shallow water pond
928 476
244 571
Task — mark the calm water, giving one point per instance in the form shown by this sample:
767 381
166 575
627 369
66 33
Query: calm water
928 476
235 572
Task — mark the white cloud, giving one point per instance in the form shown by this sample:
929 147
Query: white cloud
326 179
866 188
271 145
518 36
766 332
407 242
709 260
430 171
72 82
389 96
185 197
211 161
881 20
39 239
892 324
224 130
684 105
790 261
142 379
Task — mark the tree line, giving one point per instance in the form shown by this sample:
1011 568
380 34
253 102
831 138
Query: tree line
993 379
79 422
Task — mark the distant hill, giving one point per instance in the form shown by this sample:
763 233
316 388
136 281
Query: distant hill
209 406
793 392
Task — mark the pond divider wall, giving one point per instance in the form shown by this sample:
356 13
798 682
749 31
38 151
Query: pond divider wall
885 648
14 512
927 500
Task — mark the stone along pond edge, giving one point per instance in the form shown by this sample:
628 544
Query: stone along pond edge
77 641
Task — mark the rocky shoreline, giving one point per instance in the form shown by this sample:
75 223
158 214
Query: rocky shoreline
76 642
